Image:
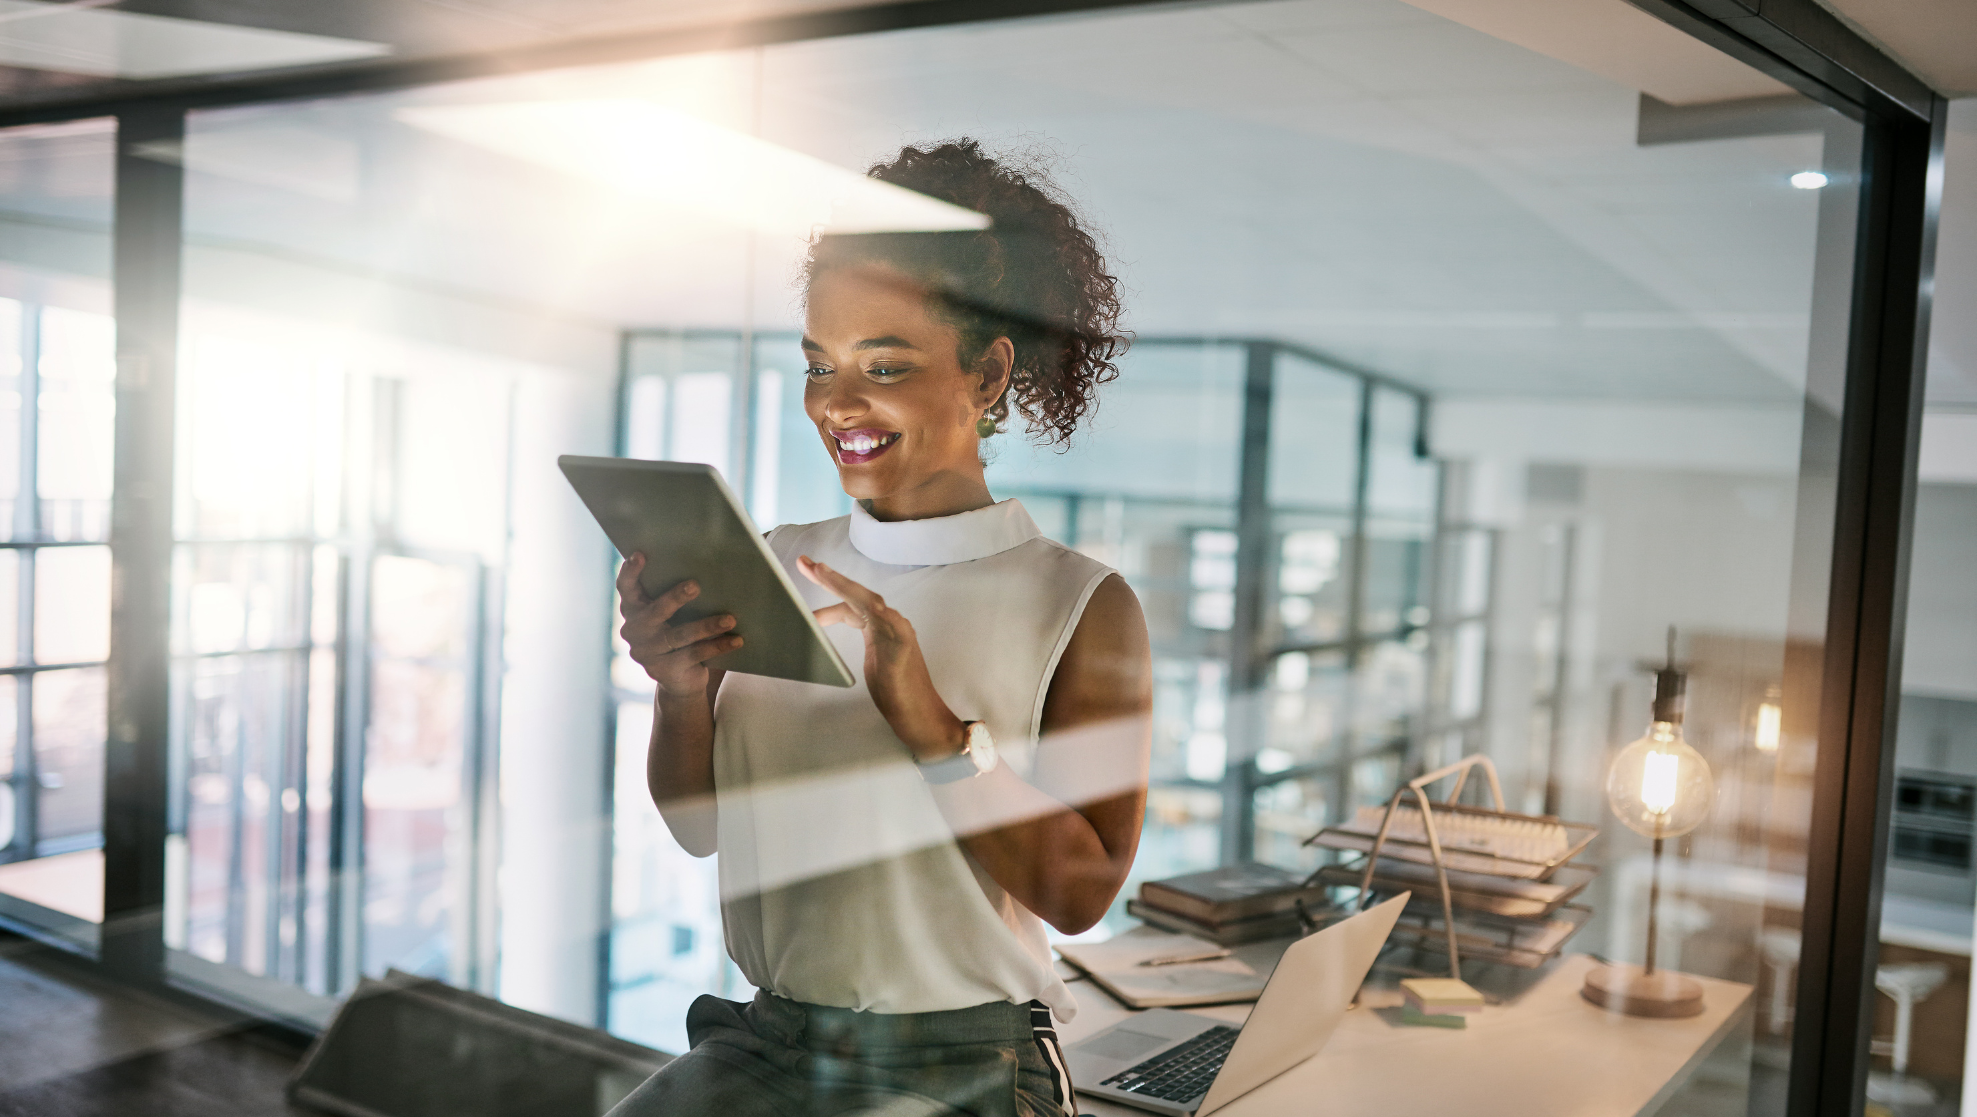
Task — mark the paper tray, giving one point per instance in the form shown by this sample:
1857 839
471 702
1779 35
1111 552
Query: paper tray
1505 897
1350 837
1525 944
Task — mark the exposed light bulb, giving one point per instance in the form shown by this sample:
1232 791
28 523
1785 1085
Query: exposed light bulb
1659 774
1809 180
1770 724
1660 786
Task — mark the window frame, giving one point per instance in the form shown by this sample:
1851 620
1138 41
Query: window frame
27 540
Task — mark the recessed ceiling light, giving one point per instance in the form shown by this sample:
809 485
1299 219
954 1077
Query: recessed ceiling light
1809 180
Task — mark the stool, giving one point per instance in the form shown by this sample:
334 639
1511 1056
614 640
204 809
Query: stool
1780 948
1908 984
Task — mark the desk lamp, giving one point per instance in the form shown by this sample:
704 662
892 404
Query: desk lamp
1661 788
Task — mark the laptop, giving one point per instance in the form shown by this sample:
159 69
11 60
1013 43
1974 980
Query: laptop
1182 1064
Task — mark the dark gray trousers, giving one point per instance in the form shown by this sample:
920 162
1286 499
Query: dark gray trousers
781 1058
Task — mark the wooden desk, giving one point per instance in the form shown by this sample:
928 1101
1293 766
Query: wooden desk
1551 1054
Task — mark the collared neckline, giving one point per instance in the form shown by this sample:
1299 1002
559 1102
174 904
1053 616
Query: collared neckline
941 540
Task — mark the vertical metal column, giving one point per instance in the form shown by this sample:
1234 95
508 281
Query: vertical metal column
1880 429
1243 722
1340 793
27 526
146 270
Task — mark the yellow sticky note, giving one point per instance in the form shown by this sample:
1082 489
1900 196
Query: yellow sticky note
1443 991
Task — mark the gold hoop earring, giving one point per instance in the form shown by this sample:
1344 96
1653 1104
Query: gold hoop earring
984 427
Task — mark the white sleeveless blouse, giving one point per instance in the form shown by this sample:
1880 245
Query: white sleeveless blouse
841 882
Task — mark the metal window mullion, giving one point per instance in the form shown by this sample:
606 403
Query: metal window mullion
147 246
1437 662
1355 613
1568 589
1243 724
27 501
1880 424
343 940
483 948
288 831
26 776
233 748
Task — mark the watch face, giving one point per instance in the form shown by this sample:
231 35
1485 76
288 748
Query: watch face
981 746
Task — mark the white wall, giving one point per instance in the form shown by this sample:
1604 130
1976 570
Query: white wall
1730 438
1940 656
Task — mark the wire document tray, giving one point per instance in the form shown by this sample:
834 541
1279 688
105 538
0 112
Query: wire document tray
1473 840
1526 944
1506 873
1504 897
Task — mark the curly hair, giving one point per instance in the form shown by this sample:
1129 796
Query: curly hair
1035 276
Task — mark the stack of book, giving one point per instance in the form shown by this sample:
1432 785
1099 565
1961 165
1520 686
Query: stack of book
1439 1002
1239 903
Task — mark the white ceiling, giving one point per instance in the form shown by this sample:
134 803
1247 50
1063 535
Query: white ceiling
1618 42
1362 176
1936 38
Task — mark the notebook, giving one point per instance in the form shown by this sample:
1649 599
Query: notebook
1114 965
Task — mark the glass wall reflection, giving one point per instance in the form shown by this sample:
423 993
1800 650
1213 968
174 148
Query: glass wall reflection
1457 385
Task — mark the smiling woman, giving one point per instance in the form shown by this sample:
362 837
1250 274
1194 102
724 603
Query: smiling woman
891 853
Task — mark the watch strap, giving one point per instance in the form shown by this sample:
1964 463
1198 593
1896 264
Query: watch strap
953 769
961 765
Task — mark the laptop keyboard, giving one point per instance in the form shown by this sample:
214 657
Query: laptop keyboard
1178 1074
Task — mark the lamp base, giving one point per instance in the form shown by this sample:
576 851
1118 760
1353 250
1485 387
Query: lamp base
1629 990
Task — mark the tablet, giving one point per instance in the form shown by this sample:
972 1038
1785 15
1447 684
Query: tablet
689 525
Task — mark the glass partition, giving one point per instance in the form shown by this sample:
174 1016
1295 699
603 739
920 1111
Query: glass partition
1463 374
1921 1051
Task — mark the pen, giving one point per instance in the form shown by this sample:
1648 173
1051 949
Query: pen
1177 959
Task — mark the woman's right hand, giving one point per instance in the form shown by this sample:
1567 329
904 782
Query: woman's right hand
675 655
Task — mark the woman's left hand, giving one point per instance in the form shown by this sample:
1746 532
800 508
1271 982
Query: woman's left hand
895 670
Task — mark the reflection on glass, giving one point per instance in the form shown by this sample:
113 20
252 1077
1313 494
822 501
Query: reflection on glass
13 348
1313 587
666 942
71 604
10 799
1169 428
262 466
252 418
1286 812
1212 580
681 400
239 813
1476 225
1308 709
1401 478
786 487
69 726
1314 436
78 423
10 601
422 613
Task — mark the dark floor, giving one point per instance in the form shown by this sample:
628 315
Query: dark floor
73 1045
